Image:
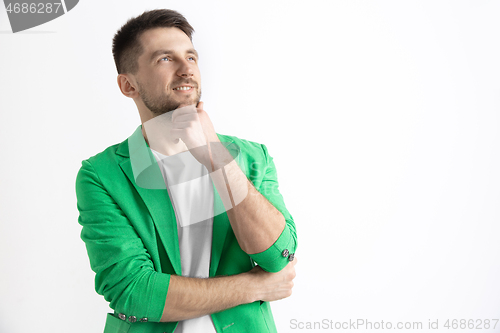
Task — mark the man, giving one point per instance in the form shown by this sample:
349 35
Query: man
178 236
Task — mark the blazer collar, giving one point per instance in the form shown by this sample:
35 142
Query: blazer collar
143 171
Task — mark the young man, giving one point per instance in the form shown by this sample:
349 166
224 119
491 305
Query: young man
178 236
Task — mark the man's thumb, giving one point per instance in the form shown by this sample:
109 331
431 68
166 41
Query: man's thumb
199 105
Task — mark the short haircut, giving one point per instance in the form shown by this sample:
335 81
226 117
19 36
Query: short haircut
126 43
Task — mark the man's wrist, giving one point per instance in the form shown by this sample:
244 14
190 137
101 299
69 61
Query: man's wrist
219 156
250 291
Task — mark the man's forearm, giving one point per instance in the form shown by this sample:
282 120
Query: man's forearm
195 297
256 223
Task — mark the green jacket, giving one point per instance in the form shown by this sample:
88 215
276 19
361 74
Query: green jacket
130 232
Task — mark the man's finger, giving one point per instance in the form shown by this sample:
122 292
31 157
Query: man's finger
183 110
185 117
199 105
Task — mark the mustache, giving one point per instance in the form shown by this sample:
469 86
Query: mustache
185 81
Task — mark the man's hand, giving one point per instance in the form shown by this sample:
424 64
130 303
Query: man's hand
273 286
194 127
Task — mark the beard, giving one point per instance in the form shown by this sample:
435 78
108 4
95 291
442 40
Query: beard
166 102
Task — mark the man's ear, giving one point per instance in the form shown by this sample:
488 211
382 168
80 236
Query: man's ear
127 85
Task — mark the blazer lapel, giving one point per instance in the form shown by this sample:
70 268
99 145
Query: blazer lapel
150 185
221 223
219 232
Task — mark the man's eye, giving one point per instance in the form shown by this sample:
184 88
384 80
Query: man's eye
191 58
165 58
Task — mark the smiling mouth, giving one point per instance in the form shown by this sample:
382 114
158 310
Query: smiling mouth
183 88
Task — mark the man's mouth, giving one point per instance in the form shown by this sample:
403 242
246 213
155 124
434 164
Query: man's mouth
183 88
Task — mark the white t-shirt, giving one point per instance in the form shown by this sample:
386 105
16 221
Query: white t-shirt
192 196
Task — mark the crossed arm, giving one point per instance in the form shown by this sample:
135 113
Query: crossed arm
193 297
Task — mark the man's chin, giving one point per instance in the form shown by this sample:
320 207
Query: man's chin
168 107
193 102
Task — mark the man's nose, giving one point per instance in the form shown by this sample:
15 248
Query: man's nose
185 69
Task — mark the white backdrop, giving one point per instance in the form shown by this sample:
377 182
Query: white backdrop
382 117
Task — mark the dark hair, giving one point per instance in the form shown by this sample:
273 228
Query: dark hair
126 44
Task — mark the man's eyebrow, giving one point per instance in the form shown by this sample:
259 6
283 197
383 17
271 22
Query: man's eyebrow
159 52
193 51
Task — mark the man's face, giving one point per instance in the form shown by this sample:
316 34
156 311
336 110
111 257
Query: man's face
168 75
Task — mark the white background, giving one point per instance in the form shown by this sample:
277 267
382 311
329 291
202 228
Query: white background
382 117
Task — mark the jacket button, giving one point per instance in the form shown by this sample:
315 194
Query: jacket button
122 316
285 253
291 257
132 319
143 320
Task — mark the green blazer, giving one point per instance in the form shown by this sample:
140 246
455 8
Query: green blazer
130 232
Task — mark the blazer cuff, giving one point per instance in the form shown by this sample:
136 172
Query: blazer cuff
278 255
158 297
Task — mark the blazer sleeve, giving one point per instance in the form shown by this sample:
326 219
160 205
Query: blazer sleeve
276 257
125 273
